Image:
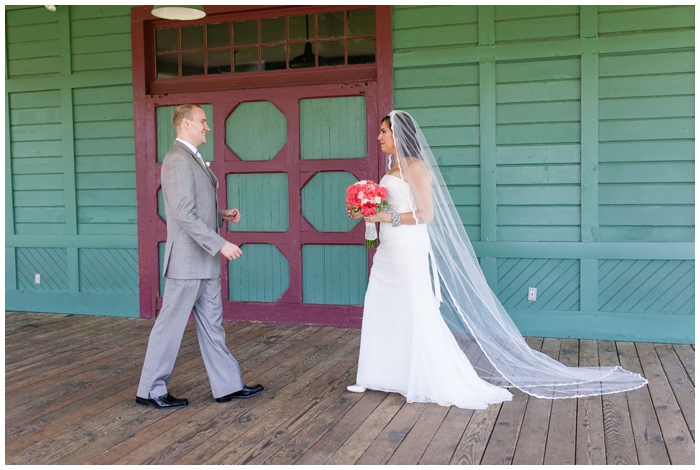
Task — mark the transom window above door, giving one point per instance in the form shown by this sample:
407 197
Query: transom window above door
334 38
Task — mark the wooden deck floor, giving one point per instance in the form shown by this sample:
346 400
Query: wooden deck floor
70 382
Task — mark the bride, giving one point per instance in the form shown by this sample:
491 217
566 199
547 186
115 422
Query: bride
432 329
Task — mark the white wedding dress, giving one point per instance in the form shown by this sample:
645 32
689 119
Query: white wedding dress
406 346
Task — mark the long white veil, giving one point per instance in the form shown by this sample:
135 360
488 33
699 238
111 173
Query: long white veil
470 307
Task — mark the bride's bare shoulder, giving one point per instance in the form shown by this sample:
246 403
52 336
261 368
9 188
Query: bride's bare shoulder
418 167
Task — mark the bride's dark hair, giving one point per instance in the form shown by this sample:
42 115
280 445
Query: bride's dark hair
409 143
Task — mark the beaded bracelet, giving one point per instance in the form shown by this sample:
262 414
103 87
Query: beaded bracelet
395 219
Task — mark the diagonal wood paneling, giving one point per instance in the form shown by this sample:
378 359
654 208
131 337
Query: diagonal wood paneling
51 263
557 282
108 270
650 286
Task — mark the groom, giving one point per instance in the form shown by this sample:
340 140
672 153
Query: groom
192 271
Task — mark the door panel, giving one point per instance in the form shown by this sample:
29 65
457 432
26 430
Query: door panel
262 199
284 157
333 128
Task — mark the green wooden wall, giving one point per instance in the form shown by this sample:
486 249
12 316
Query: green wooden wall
70 191
566 135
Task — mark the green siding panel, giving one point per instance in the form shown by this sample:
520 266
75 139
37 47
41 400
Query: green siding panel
103 171
550 22
71 173
37 162
536 114
413 17
334 274
261 274
32 42
561 125
617 20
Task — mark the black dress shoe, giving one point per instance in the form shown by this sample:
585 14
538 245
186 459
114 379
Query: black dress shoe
245 392
166 401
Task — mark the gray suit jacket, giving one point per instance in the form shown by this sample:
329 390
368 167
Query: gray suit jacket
193 243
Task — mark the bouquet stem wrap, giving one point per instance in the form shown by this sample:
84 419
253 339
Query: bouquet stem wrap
371 239
367 198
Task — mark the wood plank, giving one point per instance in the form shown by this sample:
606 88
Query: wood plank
421 434
120 426
447 437
677 436
54 444
686 354
681 385
590 435
310 434
189 366
530 448
475 438
82 357
297 412
561 442
213 428
353 448
110 425
502 442
389 439
647 434
82 411
619 437
237 445
336 436
140 441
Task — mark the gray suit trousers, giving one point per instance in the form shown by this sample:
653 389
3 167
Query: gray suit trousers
202 297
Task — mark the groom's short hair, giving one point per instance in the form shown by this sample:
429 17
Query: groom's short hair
183 111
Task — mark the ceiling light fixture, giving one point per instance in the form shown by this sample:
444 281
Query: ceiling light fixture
178 12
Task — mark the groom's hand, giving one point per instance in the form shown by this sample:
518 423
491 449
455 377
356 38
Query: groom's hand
232 215
230 251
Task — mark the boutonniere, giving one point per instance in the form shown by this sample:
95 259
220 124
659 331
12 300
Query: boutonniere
208 164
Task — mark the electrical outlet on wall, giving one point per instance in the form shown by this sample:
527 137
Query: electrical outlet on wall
37 278
531 294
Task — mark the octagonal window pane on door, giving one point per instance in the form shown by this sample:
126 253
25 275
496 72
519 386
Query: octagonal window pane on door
256 131
323 201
